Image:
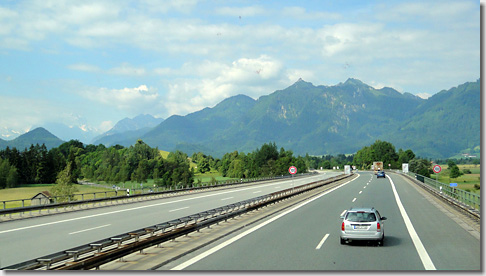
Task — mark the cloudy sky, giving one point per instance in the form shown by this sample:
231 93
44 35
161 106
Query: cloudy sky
90 64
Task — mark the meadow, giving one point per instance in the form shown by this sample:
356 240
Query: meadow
465 182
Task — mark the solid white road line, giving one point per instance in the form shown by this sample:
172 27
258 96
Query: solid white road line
322 242
178 209
228 198
136 208
424 256
257 192
89 229
251 230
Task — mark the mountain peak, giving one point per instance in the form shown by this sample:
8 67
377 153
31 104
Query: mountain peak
300 83
353 81
38 131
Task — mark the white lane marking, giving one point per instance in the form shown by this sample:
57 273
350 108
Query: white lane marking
257 192
354 200
178 209
424 256
364 187
136 208
228 198
342 214
360 192
251 230
322 242
72 233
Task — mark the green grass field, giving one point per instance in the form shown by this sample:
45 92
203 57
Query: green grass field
464 182
32 190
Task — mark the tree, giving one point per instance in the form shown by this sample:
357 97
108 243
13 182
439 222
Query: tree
203 165
454 171
420 166
64 189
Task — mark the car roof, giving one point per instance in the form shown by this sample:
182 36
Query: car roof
362 209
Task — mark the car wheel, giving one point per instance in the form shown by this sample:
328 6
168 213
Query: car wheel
382 241
342 240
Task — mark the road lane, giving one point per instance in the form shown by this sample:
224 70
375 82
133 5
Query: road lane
30 238
449 245
289 243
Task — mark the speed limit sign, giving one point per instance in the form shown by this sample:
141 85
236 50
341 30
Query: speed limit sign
437 169
292 170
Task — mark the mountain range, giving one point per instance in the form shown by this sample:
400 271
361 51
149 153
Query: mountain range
36 136
318 120
128 130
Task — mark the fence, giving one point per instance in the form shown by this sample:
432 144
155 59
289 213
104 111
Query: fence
116 194
472 200
94 254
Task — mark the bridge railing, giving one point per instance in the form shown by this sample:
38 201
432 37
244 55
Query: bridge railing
469 199
95 254
22 206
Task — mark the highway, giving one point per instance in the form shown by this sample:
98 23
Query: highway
26 239
418 235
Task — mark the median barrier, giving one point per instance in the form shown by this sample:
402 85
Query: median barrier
94 254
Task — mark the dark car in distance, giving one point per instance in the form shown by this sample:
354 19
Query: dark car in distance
380 174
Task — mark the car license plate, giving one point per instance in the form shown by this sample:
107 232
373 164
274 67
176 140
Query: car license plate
360 227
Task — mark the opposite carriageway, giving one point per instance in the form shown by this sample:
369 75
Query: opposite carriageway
94 254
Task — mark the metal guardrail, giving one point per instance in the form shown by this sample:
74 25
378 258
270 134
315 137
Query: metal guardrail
136 193
469 199
97 253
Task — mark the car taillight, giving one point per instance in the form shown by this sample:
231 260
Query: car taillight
342 227
378 227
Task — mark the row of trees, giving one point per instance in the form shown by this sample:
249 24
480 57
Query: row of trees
140 162
136 163
264 161
97 163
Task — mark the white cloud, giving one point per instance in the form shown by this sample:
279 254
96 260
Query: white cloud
134 100
182 6
105 126
424 95
250 76
241 11
84 67
128 70
300 13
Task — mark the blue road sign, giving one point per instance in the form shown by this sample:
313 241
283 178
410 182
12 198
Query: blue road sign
453 184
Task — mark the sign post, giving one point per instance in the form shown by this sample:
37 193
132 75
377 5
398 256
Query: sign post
436 170
405 167
292 171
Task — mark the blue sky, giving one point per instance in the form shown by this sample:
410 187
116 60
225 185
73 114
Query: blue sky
89 64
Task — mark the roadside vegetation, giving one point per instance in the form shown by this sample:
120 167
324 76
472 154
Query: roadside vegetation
140 166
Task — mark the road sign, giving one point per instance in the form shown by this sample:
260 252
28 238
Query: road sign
437 169
453 184
405 167
292 170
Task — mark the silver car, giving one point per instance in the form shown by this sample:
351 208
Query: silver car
362 224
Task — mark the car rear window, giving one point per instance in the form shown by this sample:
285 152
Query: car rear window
360 217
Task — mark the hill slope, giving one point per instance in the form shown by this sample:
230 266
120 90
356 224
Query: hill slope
36 136
329 120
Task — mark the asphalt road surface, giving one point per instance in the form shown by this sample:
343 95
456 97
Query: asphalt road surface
26 239
418 235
